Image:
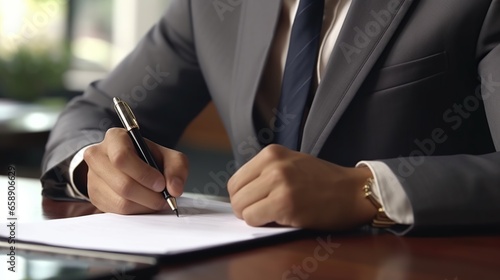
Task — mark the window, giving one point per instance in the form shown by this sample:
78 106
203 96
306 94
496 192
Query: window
31 23
99 33
103 32
90 33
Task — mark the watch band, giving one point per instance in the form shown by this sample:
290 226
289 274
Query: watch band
381 220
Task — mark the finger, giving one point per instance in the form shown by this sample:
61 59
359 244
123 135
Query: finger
243 176
122 184
255 166
96 159
175 167
129 189
106 200
250 194
123 156
260 213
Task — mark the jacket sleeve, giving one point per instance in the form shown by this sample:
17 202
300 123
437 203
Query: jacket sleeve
160 79
461 191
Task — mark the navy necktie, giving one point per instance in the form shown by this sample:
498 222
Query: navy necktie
299 70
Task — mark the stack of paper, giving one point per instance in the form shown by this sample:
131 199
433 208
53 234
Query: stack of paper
202 224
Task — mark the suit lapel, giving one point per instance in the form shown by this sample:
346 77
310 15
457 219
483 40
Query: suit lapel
255 35
367 29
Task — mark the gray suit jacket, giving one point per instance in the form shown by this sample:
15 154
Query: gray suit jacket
415 84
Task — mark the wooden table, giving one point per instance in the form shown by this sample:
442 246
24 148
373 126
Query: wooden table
355 255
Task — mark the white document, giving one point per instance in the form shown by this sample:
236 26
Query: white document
202 224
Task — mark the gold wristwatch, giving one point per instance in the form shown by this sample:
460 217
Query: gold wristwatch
381 220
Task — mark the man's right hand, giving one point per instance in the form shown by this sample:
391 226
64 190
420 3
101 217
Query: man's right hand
119 181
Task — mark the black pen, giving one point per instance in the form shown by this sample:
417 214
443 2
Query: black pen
132 126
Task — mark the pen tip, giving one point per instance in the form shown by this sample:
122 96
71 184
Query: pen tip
176 212
116 100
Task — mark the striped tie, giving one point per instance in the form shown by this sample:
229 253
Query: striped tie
299 70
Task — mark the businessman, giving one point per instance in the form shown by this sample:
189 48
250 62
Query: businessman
340 113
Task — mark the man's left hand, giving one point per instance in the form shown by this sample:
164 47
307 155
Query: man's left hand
295 189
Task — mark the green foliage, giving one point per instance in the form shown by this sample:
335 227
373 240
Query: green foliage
30 73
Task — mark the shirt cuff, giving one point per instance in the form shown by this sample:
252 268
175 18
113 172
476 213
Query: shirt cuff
71 188
390 193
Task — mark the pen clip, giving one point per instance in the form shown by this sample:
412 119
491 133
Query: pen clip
125 114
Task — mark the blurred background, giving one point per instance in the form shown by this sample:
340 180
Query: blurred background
50 50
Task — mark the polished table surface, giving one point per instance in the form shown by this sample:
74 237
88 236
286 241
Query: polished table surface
354 255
